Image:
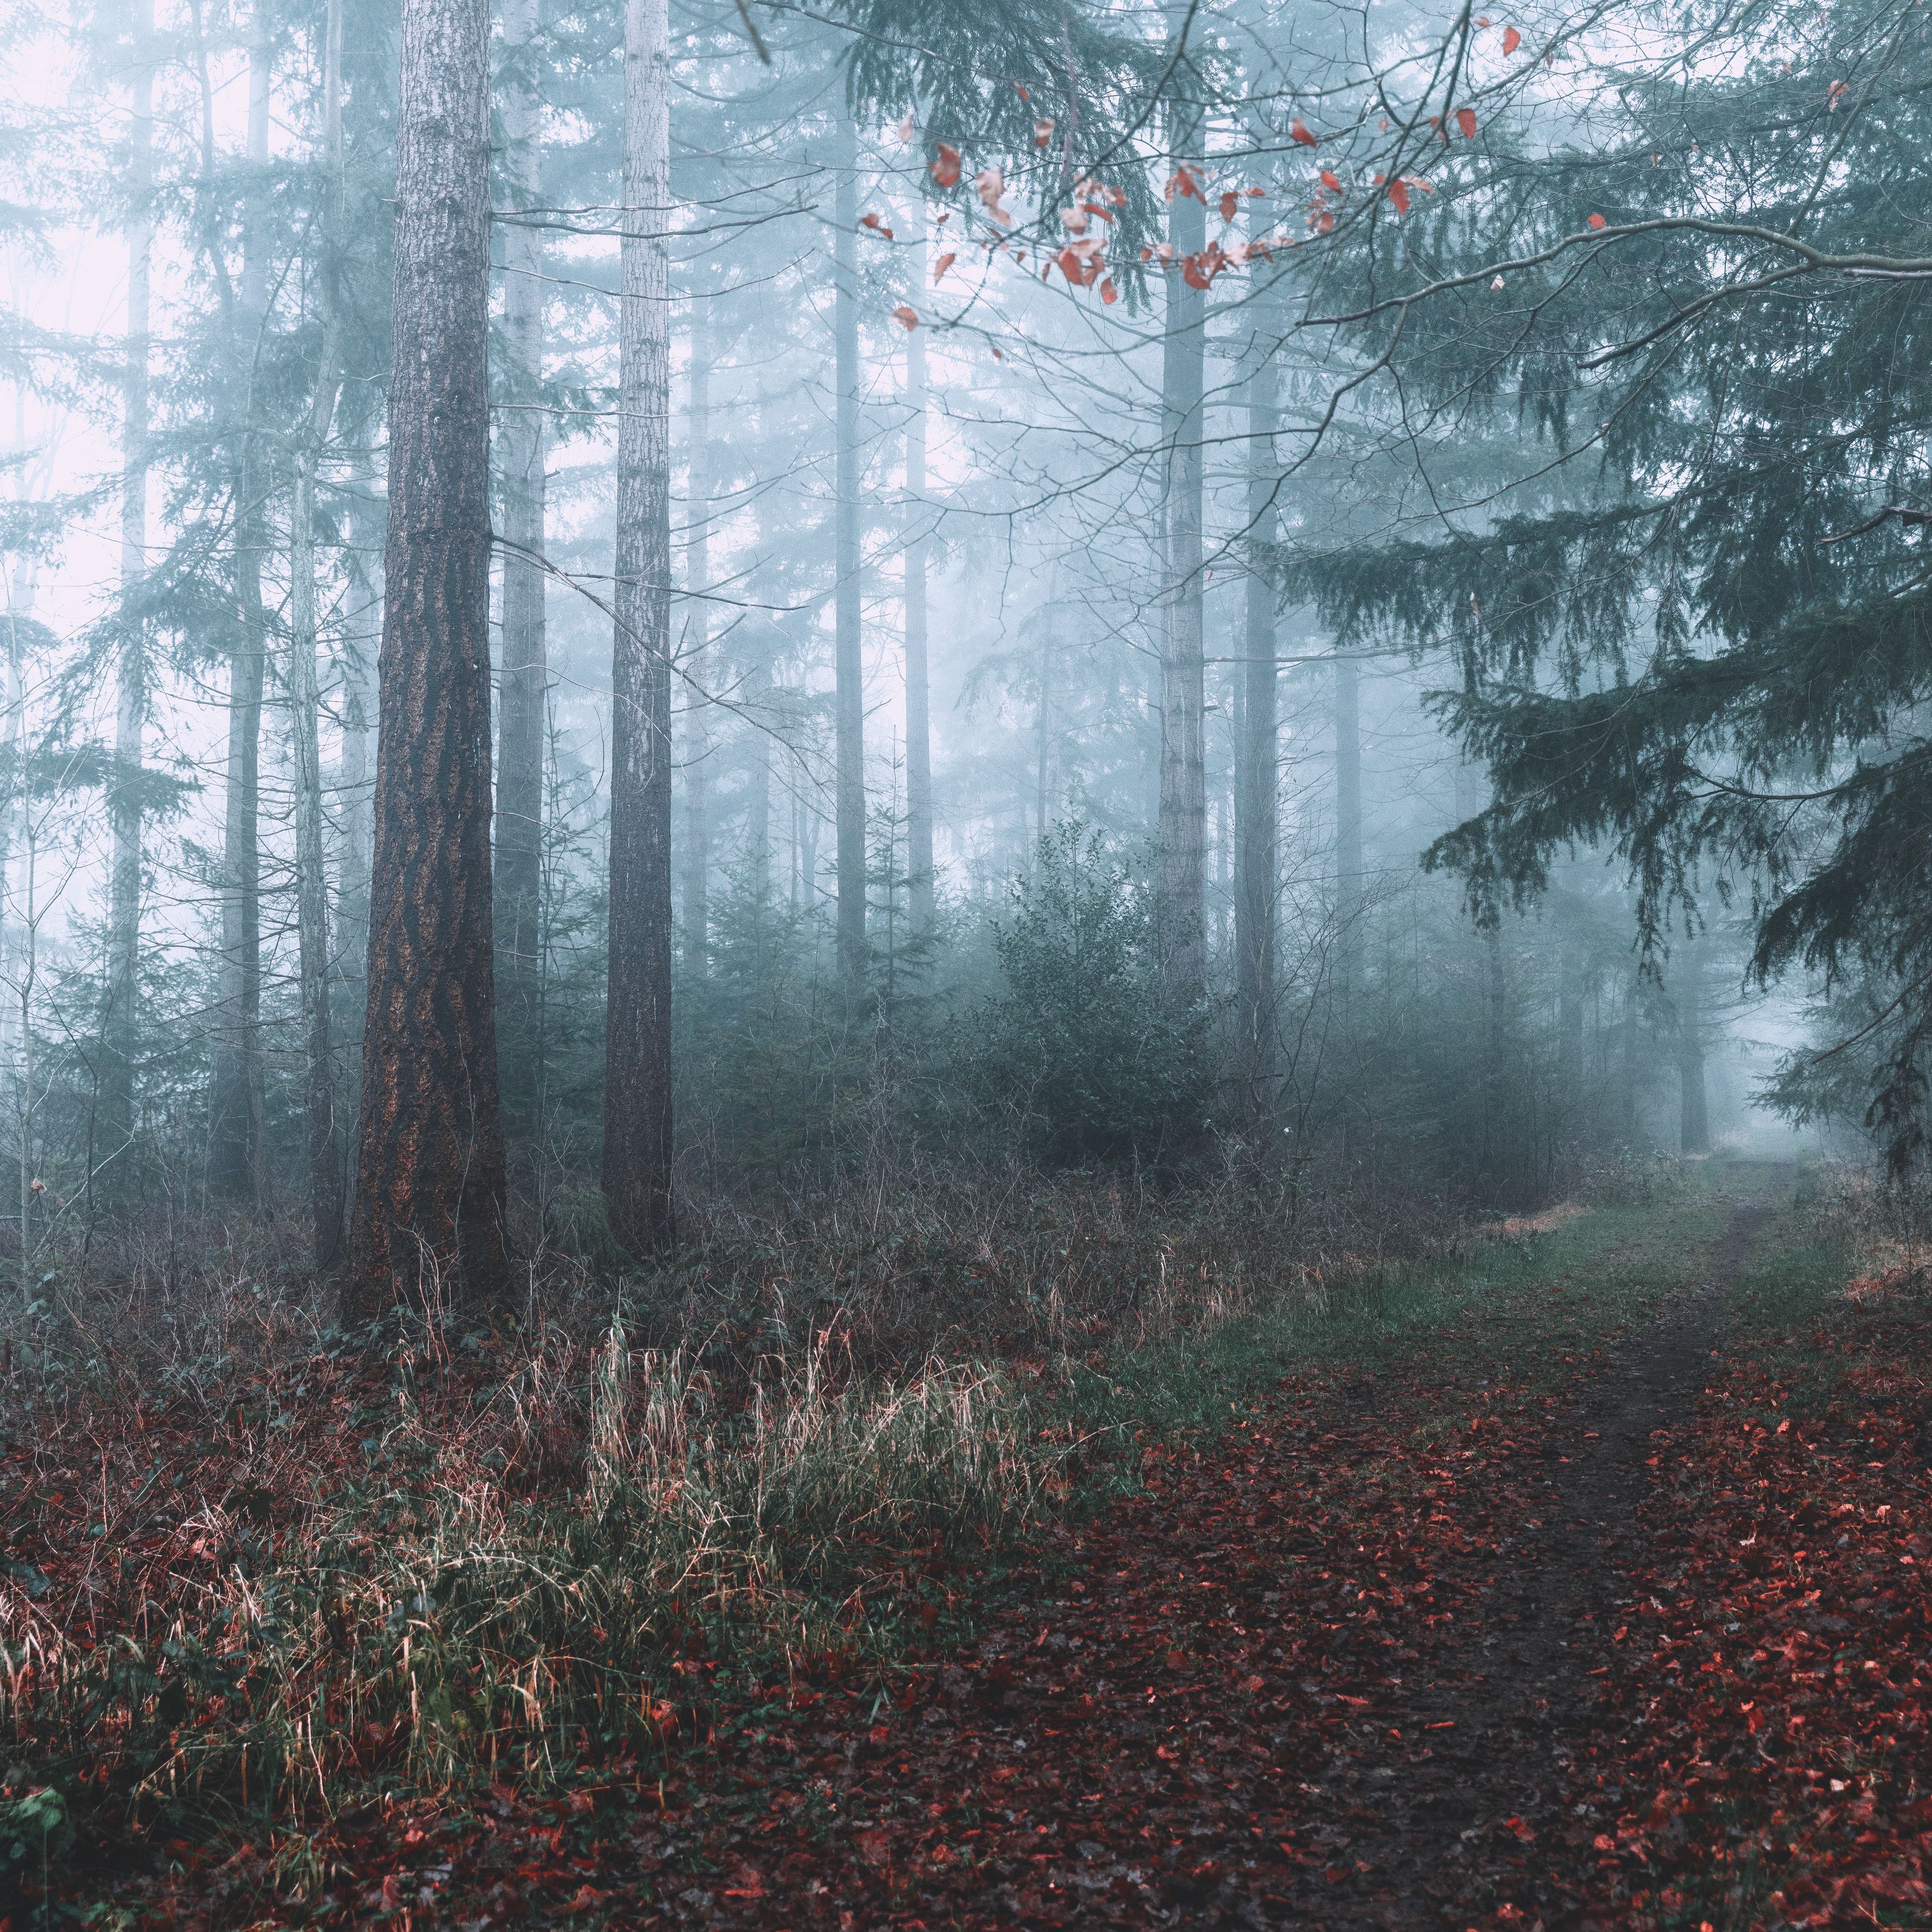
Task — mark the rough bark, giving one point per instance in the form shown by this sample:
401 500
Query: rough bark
848 666
325 1153
637 1143
429 1196
918 693
235 1149
1258 779
1181 834
697 640
118 1042
522 446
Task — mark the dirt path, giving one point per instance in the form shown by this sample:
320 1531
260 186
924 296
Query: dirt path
1247 1704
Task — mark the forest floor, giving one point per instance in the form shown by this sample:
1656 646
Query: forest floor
1588 1589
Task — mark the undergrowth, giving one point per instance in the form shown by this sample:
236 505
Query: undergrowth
255 1574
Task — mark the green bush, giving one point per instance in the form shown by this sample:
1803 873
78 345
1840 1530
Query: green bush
1101 1068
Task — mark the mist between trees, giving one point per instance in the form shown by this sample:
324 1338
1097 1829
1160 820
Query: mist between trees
638 636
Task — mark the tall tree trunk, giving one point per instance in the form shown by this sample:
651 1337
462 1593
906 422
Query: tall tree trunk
1349 908
918 692
118 1033
758 802
1693 1110
697 637
429 1192
637 1143
1257 794
1182 832
324 1152
523 446
848 665
236 1151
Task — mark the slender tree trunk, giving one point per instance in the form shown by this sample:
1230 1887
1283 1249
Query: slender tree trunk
523 446
758 803
325 1151
1182 833
637 1143
1258 782
1694 1113
238 1101
119 1034
697 637
1348 909
849 669
429 1193
918 692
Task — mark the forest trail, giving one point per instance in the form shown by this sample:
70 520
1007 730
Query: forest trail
1368 1661
1590 1590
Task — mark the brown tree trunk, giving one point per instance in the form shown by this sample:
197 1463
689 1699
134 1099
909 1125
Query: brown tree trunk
638 1145
1258 780
522 445
848 665
238 1101
918 695
113 1154
429 1194
1181 834
324 1154
697 638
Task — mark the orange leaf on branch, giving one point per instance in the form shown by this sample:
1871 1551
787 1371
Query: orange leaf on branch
906 318
940 267
876 224
1512 40
945 169
1043 131
1466 119
1398 192
1298 129
1230 202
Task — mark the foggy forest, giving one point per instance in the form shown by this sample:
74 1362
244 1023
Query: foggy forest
965 966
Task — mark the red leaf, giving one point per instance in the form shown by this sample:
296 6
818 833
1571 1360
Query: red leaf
1596 221
944 262
906 317
1399 193
1512 40
1109 293
1466 119
999 355
945 169
1021 91
1330 179
1043 131
1230 202
1183 182
1298 129
876 224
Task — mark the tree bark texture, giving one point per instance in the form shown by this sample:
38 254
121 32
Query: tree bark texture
523 446
697 641
325 1151
429 1196
1693 1103
637 1145
236 1151
119 1031
1181 834
848 664
1258 779
918 692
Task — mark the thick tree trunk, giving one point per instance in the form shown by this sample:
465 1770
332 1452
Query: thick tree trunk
1258 782
848 664
522 446
918 693
429 1194
324 1152
697 640
236 1137
637 1142
1182 833
114 1150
